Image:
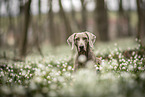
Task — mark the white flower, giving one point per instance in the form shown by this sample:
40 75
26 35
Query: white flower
69 67
44 89
38 79
130 67
139 68
33 86
82 58
23 72
123 68
19 90
38 95
54 80
5 90
133 53
53 86
142 75
64 70
49 82
115 44
52 94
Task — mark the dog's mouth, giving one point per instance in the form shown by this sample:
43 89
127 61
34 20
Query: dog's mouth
82 51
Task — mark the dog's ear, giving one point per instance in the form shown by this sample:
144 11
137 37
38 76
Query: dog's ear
92 38
70 40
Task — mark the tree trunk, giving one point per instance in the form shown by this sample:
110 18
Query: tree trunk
73 13
0 28
25 30
84 16
141 20
52 32
9 14
66 21
128 19
39 8
101 17
120 19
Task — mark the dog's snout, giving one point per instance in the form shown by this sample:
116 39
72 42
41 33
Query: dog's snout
81 47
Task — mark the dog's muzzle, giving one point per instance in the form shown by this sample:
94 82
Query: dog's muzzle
81 49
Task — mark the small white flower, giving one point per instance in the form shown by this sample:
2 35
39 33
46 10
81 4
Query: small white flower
19 90
133 53
142 75
64 70
5 90
23 72
130 67
49 82
115 67
139 68
44 89
82 58
123 68
52 94
38 79
38 95
69 67
54 80
53 86
33 86
115 44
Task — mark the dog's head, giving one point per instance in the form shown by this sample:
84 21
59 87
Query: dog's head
81 40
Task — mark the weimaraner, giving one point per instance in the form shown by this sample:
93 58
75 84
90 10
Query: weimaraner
83 42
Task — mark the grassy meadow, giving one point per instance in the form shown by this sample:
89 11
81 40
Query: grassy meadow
120 74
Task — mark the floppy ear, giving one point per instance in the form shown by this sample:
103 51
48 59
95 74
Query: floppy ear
70 40
92 38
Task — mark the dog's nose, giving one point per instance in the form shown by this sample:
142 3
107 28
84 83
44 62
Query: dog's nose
81 47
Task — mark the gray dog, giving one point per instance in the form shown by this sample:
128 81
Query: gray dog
83 42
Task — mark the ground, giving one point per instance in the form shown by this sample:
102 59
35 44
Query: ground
52 75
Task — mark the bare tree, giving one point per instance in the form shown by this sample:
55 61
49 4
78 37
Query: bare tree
141 19
128 19
84 15
101 18
0 26
51 24
120 19
39 8
123 20
25 30
9 13
73 13
66 20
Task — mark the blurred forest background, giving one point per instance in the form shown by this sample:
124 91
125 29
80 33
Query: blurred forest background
27 24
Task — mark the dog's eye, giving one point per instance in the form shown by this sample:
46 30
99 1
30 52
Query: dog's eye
84 38
77 38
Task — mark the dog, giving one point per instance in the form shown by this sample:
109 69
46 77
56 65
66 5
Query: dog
83 42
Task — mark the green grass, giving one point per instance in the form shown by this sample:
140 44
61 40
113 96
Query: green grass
53 75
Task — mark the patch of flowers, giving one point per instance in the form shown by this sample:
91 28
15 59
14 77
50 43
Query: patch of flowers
117 76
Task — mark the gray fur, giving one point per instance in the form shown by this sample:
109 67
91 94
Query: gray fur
85 40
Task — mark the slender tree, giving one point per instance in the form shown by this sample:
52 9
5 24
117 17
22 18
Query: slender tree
101 18
52 32
141 20
120 19
66 20
25 30
9 14
84 15
39 8
73 13
128 16
0 27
